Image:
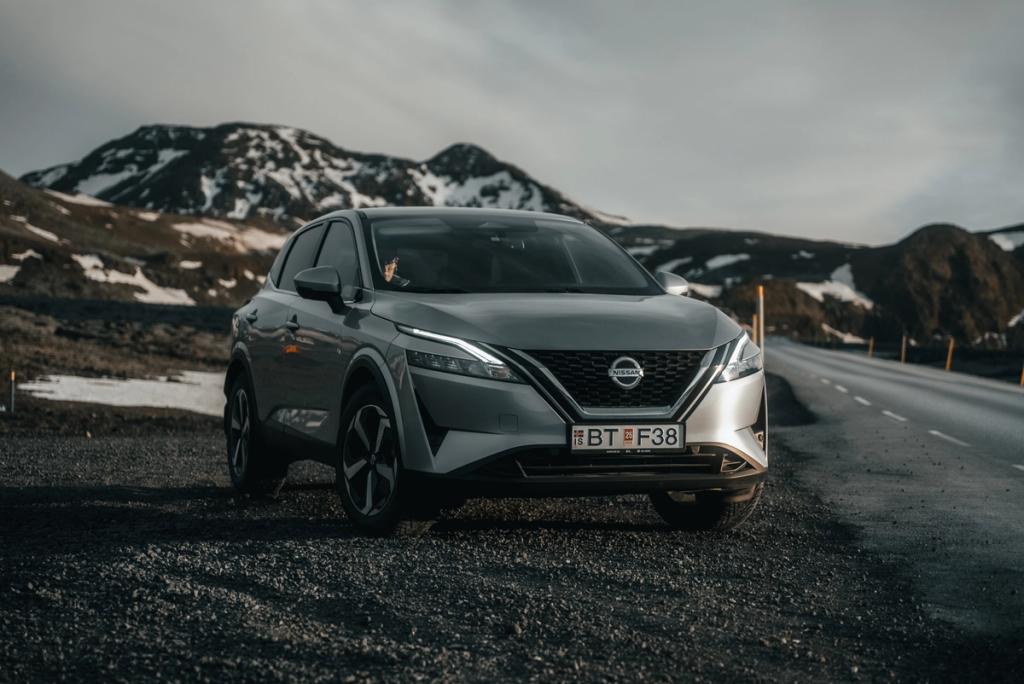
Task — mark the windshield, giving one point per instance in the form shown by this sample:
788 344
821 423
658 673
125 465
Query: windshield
474 254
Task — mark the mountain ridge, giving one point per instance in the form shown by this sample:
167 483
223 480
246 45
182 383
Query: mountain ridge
239 170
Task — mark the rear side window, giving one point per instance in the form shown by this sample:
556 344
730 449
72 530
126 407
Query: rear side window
275 268
300 257
339 251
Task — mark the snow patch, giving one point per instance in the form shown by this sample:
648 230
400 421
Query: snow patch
242 239
840 286
1008 241
151 293
27 254
8 273
673 264
190 265
1016 319
846 337
95 184
227 284
706 291
803 254
724 260
45 234
148 215
84 200
643 250
194 391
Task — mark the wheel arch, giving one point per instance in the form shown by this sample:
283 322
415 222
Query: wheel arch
369 367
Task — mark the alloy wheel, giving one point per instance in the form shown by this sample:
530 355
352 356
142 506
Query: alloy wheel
370 460
241 433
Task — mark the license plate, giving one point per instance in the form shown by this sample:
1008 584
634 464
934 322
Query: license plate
627 438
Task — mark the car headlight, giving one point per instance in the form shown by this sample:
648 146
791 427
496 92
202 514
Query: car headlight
482 365
745 360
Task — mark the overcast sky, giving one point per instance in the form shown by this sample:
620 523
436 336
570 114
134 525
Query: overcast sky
855 121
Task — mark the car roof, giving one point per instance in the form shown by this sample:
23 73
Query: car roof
449 212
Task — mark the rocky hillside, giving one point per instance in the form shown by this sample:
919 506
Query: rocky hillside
192 215
241 171
76 246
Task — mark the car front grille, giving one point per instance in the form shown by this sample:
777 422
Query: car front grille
584 375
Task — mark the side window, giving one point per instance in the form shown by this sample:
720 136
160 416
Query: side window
339 251
275 268
300 257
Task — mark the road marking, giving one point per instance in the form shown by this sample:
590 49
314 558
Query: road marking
894 416
1018 467
946 437
826 381
862 400
840 388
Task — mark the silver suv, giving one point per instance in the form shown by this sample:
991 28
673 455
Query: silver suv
431 355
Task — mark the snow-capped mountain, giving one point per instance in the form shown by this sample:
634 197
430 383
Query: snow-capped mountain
240 170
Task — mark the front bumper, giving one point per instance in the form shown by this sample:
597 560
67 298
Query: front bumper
500 437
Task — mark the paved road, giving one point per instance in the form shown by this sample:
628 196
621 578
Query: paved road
930 466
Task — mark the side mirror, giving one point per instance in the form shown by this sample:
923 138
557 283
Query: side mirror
320 284
673 284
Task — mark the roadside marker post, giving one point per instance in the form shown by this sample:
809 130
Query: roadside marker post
903 349
753 330
1022 375
14 378
871 347
949 354
760 319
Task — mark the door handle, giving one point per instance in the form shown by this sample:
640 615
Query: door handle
292 323
252 316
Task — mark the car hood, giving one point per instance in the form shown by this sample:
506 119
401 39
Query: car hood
563 320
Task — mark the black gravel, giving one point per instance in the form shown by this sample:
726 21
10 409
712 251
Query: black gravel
128 558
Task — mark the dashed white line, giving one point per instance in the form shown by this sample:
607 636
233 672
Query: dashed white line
1018 467
840 388
826 381
954 440
898 418
862 400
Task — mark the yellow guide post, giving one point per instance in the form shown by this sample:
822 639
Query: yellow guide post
760 319
949 354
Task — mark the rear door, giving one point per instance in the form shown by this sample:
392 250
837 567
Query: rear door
288 365
264 317
325 337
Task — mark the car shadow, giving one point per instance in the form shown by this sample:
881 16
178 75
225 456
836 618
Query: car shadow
68 519
46 520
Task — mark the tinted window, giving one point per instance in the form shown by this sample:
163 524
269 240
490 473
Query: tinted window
275 268
339 251
484 254
301 256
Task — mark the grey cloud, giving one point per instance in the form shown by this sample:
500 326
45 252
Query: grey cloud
853 121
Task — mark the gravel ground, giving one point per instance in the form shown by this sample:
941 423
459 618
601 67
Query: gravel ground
127 557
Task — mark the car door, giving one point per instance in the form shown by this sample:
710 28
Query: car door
325 337
290 367
263 320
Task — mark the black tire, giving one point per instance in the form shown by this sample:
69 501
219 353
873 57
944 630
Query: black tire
253 467
369 469
716 511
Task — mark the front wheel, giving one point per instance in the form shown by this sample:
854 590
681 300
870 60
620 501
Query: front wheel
706 510
369 464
